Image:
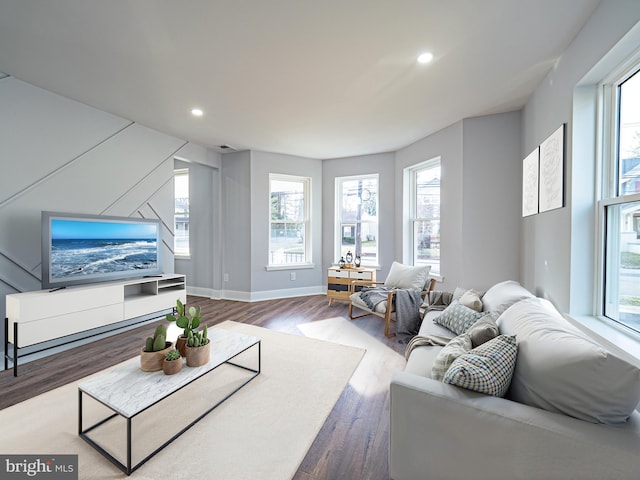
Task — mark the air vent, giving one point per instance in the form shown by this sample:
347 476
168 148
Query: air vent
227 149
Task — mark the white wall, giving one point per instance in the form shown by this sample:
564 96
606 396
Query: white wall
480 199
553 249
278 283
491 202
236 221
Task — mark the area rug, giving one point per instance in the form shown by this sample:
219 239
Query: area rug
379 357
263 431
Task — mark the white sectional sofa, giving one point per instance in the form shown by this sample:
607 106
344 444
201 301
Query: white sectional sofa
569 411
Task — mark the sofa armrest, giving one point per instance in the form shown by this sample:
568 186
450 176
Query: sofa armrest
441 431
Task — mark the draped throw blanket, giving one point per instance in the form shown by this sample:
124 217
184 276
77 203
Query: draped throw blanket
407 308
372 296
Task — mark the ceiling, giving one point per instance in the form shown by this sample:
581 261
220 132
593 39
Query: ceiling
319 79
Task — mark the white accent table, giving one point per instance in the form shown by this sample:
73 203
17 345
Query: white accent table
128 391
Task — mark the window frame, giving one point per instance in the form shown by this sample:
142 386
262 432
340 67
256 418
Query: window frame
182 172
339 223
608 190
306 222
411 175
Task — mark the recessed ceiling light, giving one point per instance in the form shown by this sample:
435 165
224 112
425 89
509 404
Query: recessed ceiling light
425 57
197 112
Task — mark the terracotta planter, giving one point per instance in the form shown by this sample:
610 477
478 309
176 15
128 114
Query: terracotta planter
181 345
169 367
198 356
152 361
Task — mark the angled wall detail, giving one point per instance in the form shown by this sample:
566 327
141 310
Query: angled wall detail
61 155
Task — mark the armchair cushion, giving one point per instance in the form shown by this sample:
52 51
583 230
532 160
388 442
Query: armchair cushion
407 276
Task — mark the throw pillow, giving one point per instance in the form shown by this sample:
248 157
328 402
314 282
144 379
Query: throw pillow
452 350
471 299
483 330
561 369
457 318
406 276
487 368
502 295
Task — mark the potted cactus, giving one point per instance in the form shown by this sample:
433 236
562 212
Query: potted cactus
188 320
154 350
172 362
198 349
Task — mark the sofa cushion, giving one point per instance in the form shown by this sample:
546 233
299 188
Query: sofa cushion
421 360
452 350
487 368
483 330
561 369
502 295
471 299
407 276
457 318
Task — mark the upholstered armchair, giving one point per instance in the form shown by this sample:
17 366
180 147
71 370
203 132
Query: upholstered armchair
384 304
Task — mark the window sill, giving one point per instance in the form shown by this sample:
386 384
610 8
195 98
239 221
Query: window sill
612 335
299 266
182 257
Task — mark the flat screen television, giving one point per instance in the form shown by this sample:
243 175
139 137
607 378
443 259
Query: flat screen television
79 249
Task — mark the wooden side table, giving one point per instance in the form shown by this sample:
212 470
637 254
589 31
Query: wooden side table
339 281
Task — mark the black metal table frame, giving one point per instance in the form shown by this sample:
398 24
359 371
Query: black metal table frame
128 468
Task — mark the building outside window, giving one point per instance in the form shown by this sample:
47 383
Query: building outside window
357 218
424 213
620 206
181 212
290 233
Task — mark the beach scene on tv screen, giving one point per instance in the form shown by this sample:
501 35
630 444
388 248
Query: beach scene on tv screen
89 247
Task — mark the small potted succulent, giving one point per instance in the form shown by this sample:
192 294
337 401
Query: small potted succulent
198 349
188 320
154 350
172 362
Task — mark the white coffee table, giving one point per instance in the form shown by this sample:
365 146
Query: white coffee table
128 391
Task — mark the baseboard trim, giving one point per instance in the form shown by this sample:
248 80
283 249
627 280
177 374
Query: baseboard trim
240 296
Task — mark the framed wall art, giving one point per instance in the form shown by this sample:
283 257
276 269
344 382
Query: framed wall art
530 183
551 178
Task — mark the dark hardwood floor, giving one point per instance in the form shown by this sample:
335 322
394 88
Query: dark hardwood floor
352 444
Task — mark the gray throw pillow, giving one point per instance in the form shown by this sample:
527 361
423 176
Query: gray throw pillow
483 330
457 318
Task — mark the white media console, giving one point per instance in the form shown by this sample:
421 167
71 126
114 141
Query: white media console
43 315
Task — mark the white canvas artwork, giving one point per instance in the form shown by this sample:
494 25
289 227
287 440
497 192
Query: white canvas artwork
530 183
551 178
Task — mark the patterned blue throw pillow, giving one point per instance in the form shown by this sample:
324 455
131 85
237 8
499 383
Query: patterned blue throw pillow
458 318
487 368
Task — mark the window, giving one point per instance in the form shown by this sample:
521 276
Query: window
424 213
620 206
357 218
289 238
181 212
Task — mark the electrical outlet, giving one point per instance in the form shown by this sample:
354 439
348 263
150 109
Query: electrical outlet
292 276
226 277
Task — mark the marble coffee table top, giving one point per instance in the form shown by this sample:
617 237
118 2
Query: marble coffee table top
128 390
